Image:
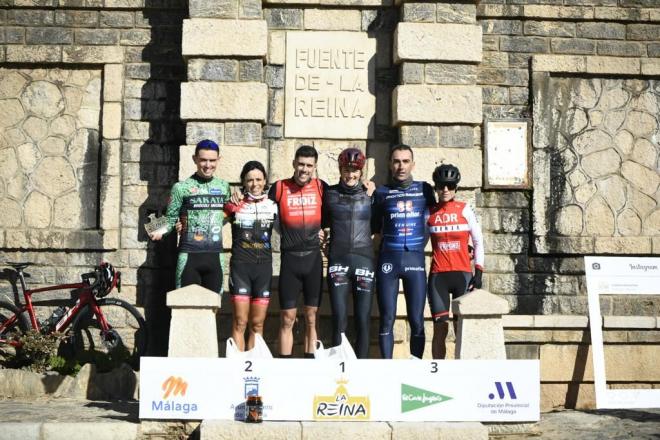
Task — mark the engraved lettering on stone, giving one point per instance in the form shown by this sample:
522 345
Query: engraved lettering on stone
329 86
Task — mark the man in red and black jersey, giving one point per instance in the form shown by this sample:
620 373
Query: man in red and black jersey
299 200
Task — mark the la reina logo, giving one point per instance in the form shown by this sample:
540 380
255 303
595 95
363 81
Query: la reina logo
173 400
341 405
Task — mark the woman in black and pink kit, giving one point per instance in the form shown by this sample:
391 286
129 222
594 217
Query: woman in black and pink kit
252 219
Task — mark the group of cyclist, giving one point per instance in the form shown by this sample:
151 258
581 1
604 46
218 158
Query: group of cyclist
347 221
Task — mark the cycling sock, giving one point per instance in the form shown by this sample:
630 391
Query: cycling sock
286 356
309 356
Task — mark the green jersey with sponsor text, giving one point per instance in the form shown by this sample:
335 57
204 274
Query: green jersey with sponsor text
198 203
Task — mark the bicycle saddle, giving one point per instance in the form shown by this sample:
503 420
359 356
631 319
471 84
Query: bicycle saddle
18 266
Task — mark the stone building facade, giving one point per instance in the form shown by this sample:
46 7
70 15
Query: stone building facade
101 102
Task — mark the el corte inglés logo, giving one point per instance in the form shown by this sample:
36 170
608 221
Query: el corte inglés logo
413 398
341 406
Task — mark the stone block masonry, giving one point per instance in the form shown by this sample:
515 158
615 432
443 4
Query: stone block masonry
168 69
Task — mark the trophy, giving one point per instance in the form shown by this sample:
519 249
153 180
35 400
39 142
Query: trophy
156 224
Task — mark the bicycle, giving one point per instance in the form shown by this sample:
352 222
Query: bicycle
84 320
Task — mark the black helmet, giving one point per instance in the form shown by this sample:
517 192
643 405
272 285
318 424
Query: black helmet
446 174
108 278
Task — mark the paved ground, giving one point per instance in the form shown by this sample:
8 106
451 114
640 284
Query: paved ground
580 425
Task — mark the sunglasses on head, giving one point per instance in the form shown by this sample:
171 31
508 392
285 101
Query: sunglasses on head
450 186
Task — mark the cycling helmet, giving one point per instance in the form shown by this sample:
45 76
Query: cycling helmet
108 278
352 157
446 174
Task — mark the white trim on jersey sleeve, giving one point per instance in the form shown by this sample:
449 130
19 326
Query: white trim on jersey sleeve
475 234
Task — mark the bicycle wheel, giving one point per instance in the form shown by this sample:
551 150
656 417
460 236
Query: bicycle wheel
14 331
124 343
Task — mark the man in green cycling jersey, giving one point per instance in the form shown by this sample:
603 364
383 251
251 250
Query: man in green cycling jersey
197 203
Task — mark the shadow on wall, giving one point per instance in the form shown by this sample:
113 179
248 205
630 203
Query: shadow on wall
162 71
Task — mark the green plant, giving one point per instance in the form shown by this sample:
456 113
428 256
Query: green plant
35 352
52 352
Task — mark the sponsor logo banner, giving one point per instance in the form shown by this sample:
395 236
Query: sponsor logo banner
336 390
413 398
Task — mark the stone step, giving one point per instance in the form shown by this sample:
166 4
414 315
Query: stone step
229 430
115 430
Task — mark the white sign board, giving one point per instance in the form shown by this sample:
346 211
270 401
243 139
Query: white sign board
618 276
507 154
330 85
331 390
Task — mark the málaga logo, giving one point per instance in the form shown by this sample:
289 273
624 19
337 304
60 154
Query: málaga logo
174 387
413 398
341 406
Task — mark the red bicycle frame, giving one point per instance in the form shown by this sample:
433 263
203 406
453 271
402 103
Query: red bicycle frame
85 297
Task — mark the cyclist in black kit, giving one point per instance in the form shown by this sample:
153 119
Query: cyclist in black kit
252 217
347 213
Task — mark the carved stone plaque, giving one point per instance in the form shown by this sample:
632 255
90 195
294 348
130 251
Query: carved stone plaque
330 85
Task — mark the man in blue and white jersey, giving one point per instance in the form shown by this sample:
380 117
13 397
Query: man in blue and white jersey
400 211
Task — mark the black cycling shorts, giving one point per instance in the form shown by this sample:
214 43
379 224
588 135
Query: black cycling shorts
300 271
250 282
440 285
202 268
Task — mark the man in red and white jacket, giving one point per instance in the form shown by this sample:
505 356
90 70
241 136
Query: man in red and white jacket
452 225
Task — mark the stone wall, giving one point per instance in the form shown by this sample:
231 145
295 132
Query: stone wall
172 72
528 248
111 163
50 148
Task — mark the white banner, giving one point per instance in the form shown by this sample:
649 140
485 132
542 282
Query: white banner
618 276
358 390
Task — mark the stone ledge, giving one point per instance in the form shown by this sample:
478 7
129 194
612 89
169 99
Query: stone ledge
437 42
34 239
436 104
230 101
579 322
352 430
648 322
230 430
595 65
441 430
221 37
24 431
560 321
105 431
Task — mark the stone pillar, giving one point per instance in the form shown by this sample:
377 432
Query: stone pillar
437 105
193 331
480 331
225 98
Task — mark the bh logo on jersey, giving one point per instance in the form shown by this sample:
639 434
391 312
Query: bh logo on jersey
404 205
